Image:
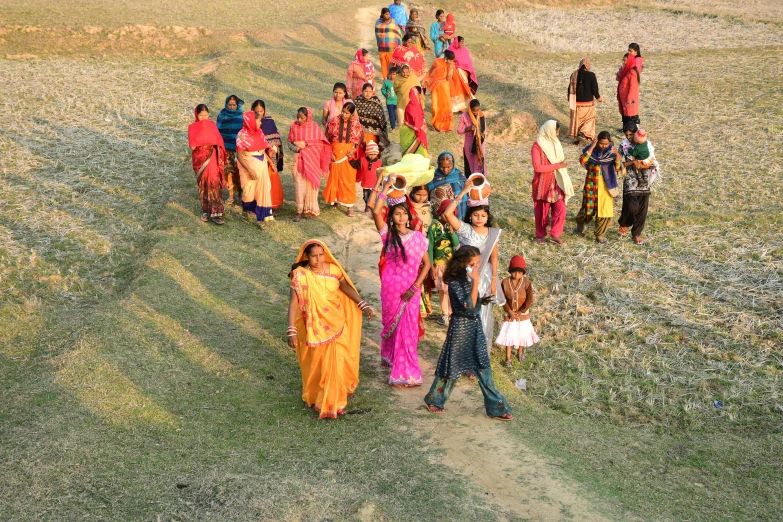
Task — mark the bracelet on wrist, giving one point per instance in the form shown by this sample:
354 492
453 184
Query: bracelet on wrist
382 196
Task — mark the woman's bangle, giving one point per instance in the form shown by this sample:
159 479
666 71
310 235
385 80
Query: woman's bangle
376 190
362 305
382 196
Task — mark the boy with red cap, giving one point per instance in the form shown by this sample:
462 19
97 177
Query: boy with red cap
517 331
443 243
367 170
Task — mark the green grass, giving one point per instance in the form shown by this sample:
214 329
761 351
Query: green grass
141 349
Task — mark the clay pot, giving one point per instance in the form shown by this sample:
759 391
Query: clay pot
480 189
399 188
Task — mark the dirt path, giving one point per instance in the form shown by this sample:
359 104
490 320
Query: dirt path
515 479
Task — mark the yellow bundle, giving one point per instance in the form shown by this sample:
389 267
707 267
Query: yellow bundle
415 168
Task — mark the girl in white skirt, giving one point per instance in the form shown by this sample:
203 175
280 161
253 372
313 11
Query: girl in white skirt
517 331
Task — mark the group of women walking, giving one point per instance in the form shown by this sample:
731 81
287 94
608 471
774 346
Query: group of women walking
438 237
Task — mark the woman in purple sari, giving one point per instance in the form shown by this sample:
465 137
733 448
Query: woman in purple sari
404 264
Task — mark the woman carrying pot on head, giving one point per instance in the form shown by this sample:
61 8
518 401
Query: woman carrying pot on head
404 265
476 230
602 162
325 328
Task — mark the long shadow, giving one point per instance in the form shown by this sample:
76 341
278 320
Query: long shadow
295 46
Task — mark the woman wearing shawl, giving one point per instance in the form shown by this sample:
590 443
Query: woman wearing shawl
325 328
639 176
473 149
437 81
628 81
551 183
437 35
345 134
252 152
209 160
476 230
602 163
275 160
582 93
463 64
403 84
408 54
405 263
360 72
229 123
413 133
372 116
312 154
417 32
447 183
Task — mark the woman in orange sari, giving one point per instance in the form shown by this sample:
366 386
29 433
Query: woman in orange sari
459 85
437 81
345 134
325 328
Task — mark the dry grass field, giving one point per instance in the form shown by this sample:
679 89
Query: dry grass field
143 375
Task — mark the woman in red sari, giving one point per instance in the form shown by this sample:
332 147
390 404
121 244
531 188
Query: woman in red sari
209 160
413 133
312 153
628 81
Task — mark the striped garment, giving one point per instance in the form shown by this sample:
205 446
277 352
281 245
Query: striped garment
388 35
590 194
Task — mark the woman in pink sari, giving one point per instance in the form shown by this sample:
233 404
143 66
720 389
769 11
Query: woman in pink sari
628 81
404 264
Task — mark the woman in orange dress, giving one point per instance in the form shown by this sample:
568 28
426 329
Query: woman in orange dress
437 82
346 136
325 328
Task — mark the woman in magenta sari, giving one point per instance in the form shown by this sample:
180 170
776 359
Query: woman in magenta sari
464 63
404 264
209 160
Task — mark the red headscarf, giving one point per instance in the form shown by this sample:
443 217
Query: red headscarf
414 116
204 133
251 138
314 159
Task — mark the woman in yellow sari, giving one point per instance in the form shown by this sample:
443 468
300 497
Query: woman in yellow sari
325 328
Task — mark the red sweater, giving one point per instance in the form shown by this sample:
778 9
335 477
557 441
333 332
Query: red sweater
544 182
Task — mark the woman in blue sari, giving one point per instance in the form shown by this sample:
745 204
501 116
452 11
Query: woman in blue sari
439 44
447 183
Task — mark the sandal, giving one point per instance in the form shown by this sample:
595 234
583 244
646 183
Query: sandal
520 356
434 409
601 240
622 230
204 217
297 218
638 241
350 213
218 220
540 240
508 364
505 417
556 240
